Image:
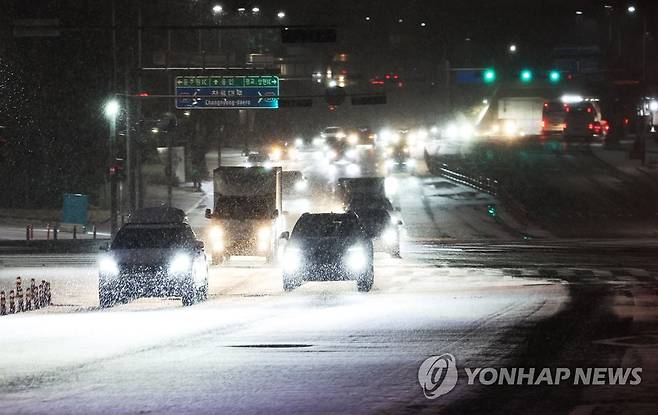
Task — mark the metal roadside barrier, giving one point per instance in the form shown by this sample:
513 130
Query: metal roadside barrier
490 186
36 297
54 231
483 184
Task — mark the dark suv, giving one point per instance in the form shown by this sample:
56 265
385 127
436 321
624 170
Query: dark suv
328 247
155 255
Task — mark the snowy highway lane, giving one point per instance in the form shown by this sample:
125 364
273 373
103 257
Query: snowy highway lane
252 347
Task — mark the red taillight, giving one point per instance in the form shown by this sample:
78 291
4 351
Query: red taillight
545 104
626 121
566 108
388 76
543 123
143 94
589 109
590 126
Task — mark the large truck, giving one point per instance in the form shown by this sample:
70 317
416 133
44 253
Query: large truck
516 116
360 187
247 215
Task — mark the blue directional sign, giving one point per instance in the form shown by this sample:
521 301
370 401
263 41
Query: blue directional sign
227 92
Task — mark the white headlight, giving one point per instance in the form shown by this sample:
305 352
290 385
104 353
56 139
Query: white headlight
353 169
216 235
292 259
180 263
301 185
390 236
264 238
107 265
356 258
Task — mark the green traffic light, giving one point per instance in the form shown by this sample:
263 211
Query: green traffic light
554 76
489 76
526 75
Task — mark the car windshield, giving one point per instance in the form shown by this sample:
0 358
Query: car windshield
257 158
485 174
325 226
153 238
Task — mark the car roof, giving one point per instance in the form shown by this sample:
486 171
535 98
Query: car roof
157 215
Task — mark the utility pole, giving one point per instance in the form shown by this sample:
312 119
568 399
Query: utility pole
170 147
130 184
137 171
113 179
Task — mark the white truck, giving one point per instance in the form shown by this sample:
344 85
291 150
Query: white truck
246 219
513 116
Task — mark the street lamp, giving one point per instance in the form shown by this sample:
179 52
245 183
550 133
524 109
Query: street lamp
281 14
255 10
217 9
111 110
579 12
512 48
631 9
653 105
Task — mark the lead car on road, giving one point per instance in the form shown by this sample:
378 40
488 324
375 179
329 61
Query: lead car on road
156 254
328 247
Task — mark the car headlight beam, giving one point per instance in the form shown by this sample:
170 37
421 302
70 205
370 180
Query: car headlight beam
108 266
180 263
292 259
389 236
356 258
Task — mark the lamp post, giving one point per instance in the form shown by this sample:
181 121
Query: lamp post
111 111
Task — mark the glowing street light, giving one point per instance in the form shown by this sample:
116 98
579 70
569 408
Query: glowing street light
281 14
111 109
512 48
255 10
653 105
217 9
631 9
579 12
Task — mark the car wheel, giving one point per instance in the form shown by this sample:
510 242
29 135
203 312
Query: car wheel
202 292
290 283
364 283
189 294
106 297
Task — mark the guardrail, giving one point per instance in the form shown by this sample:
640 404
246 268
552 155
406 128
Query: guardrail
55 230
490 186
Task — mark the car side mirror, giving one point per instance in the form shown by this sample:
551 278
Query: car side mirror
285 235
208 213
198 245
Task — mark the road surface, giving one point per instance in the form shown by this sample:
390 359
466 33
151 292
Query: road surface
467 285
